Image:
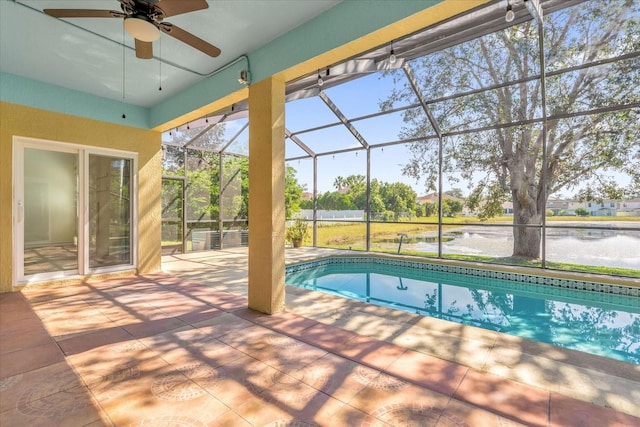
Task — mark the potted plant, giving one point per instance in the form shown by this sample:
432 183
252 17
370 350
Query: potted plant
297 232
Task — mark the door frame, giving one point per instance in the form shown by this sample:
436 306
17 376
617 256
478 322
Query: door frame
17 200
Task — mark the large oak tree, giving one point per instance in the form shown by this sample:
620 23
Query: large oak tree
592 113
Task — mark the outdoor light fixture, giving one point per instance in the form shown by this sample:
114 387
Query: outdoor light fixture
392 55
141 29
320 79
510 16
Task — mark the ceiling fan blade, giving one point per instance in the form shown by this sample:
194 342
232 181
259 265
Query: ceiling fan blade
83 13
177 7
190 39
144 50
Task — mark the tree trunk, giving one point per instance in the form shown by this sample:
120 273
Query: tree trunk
526 240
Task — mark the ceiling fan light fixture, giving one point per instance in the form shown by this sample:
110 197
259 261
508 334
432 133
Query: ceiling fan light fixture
141 29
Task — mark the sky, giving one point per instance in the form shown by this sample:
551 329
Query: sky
354 99
359 98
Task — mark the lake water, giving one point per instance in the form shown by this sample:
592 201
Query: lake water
611 248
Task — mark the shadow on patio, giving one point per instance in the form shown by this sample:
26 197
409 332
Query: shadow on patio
184 349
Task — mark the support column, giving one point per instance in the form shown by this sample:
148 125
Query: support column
266 196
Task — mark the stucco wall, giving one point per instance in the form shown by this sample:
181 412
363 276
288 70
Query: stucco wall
17 120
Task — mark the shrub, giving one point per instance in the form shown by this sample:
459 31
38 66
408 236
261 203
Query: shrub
582 211
297 232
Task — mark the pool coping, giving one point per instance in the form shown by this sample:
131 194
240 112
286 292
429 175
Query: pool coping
569 280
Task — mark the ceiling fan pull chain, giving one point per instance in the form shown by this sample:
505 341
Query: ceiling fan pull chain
160 64
124 116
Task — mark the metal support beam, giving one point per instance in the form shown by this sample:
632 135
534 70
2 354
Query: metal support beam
343 119
207 129
220 204
535 9
234 137
313 129
185 231
436 127
423 102
315 201
299 143
440 186
543 95
183 188
368 201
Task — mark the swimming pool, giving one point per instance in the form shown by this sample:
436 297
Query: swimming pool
601 319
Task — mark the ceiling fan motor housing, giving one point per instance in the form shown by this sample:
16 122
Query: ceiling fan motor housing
141 28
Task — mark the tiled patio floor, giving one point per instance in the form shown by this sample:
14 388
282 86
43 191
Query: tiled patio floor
181 348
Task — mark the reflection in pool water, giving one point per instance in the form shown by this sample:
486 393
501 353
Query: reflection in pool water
568 318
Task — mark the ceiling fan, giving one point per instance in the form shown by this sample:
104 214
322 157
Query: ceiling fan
144 19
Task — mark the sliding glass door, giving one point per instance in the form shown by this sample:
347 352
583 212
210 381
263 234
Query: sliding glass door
49 209
73 210
109 211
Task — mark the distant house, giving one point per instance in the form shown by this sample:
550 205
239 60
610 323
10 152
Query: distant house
429 198
558 205
433 198
564 207
346 215
507 208
603 208
573 205
595 208
629 207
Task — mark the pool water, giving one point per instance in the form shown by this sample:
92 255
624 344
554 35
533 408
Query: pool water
602 324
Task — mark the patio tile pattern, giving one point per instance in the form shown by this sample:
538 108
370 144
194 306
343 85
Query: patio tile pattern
169 350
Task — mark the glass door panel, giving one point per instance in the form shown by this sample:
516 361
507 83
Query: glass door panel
50 225
109 211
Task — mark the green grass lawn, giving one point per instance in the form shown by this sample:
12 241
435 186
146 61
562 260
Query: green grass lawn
352 236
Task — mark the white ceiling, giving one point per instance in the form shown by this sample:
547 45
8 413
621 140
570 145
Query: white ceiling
86 54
